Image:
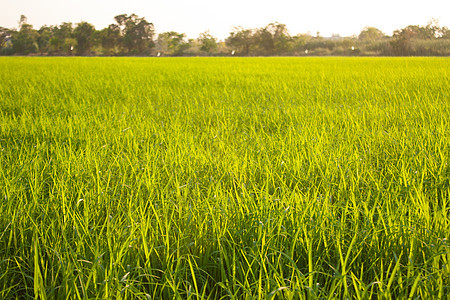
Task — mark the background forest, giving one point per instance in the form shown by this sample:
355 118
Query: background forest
131 35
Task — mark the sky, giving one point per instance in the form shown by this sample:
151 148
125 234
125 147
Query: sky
344 17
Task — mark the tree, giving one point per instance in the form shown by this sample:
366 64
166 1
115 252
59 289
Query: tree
445 33
5 41
273 39
418 40
435 30
265 41
62 41
242 40
137 33
111 39
45 34
172 43
402 42
429 32
5 34
208 43
370 34
84 34
25 40
299 43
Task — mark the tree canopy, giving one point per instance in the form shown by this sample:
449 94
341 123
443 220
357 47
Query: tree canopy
134 35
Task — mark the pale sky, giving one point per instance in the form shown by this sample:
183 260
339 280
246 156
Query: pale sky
344 17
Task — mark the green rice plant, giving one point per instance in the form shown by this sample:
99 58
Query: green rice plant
224 178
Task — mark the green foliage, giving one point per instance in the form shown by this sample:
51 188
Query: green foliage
274 39
133 35
4 35
242 40
62 41
241 178
404 41
371 34
137 33
111 39
25 40
208 43
172 43
84 34
43 40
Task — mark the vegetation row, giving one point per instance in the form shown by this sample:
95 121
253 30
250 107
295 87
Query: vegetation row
135 36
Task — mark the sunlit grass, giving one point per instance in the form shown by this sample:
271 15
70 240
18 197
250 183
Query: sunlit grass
224 178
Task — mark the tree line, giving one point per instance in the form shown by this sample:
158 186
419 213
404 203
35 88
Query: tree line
131 35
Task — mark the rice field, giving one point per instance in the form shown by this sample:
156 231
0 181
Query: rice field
224 178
